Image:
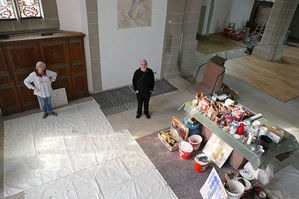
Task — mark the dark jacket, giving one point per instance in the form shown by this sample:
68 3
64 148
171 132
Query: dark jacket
144 82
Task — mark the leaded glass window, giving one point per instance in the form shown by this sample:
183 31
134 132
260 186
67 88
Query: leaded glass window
7 9
16 9
29 8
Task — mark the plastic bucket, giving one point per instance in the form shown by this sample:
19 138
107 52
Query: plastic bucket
235 190
185 150
195 141
201 162
247 186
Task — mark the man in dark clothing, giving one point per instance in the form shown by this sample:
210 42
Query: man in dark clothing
143 83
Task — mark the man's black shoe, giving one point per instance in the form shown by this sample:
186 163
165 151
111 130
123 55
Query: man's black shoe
147 116
138 115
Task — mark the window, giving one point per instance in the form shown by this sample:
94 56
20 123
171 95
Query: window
29 8
7 9
16 9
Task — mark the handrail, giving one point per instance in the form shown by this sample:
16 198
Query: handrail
198 72
216 82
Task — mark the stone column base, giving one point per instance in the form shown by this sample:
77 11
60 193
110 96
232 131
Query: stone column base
268 52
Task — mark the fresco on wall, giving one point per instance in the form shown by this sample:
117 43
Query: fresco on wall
134 13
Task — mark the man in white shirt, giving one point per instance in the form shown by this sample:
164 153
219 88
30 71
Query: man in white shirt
40 81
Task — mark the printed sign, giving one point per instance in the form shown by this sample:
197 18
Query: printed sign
213 187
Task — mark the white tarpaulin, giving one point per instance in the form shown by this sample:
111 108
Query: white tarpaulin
77 155
284 185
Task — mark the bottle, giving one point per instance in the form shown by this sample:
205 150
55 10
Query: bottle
250 137
240 129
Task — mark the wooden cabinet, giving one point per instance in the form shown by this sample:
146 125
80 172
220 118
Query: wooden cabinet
63 54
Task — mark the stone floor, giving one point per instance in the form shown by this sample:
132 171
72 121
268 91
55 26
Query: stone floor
164 107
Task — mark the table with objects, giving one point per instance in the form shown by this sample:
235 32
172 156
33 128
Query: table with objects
243 150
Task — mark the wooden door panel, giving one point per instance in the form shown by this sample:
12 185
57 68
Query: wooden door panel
21 56
81 84
28 99
9 102
61 70
20 75
79 67
77 50
55 52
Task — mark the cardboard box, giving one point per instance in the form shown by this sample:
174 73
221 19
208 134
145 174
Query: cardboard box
178 131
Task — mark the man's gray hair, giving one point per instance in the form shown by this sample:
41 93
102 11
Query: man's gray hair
143 61
40 64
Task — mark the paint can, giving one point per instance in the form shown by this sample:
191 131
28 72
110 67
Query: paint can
185 150
195 141
201 162
235 189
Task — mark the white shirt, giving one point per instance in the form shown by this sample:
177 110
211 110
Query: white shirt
43 83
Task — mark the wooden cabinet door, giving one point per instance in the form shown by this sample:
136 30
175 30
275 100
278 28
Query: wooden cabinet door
79 77
22 58
56 55
9 102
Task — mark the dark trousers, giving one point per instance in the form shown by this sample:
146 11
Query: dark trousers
143 99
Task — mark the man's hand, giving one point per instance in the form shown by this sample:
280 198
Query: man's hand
137 91
36 89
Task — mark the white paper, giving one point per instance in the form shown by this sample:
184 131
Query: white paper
217 150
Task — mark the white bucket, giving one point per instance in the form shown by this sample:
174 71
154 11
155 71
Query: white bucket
195 141
247 186
236 189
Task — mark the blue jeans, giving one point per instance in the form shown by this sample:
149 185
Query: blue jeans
46 104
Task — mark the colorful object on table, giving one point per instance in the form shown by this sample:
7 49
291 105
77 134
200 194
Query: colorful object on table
204 105
260 150
229 102
234 127
185 150
199 96
194 102
250 138
201 162
240 129
195 141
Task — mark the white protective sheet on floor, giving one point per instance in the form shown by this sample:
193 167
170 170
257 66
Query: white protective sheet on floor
285 184
77 155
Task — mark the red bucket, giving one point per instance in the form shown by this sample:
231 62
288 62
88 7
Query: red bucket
201 162
195 141
185 150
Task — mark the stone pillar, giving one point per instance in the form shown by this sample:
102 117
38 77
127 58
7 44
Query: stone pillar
271 46
173 30
187 56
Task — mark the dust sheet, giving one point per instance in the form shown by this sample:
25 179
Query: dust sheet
77 155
